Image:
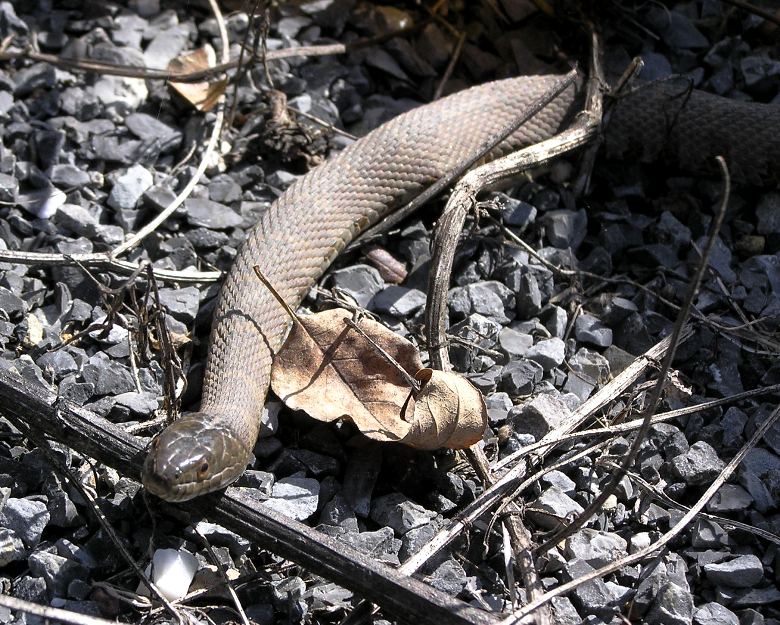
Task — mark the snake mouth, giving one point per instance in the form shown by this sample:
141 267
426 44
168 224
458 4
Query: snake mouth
174 491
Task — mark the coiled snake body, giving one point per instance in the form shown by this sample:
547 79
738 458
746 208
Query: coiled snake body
305 229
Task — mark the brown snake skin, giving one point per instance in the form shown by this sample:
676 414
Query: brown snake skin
305 229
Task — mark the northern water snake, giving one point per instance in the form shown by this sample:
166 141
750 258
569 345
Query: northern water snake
305 229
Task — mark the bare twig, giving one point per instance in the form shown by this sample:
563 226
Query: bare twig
128 71
660 385
447 179
216 132
463 198
43 444
415 385
406 598
450 66
598 400
223 575
110 259
640 555
444 244
629 426
519 536
104 261
580 273
755 10
50 614
726 523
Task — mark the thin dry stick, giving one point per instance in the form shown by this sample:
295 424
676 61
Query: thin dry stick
414 384
43 444
630 426
243 69
450 66
538 475
103 261
223 575
51 614
445 239
640 555
726 523
463 199
756 10
464 164
204 161
580 273
655 395
597 401
272 290
519 535
90 435
128 71
110 258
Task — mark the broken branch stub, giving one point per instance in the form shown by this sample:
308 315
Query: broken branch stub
331 372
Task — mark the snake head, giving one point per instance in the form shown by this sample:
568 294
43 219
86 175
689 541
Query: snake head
192 457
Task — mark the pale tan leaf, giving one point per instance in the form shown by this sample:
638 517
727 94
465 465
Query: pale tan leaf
328 370
202 95
449 411
332 372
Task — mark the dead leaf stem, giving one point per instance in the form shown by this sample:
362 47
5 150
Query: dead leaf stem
414 384
267 284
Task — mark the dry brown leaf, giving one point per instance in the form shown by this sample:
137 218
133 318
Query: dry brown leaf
332 372
202 95
328 370
449 411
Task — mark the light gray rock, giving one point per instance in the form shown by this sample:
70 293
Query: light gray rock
596 548
11 547
699 465
69 176
181 303
729 498
557 505
294 497
538 415
212 215
57 572
714 614
399 301
548 353
514 343
589 330
381 545
492 299
519 377
360 282
129 187
741 572
400 513
150 129
593 597
27 518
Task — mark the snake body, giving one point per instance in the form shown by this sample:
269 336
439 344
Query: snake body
301 233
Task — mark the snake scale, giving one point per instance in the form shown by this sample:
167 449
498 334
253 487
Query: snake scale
305 229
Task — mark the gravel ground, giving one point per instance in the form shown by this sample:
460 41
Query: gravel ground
87 159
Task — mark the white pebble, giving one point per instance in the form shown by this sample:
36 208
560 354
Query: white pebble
172 572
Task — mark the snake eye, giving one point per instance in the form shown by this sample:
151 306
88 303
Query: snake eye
203 469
